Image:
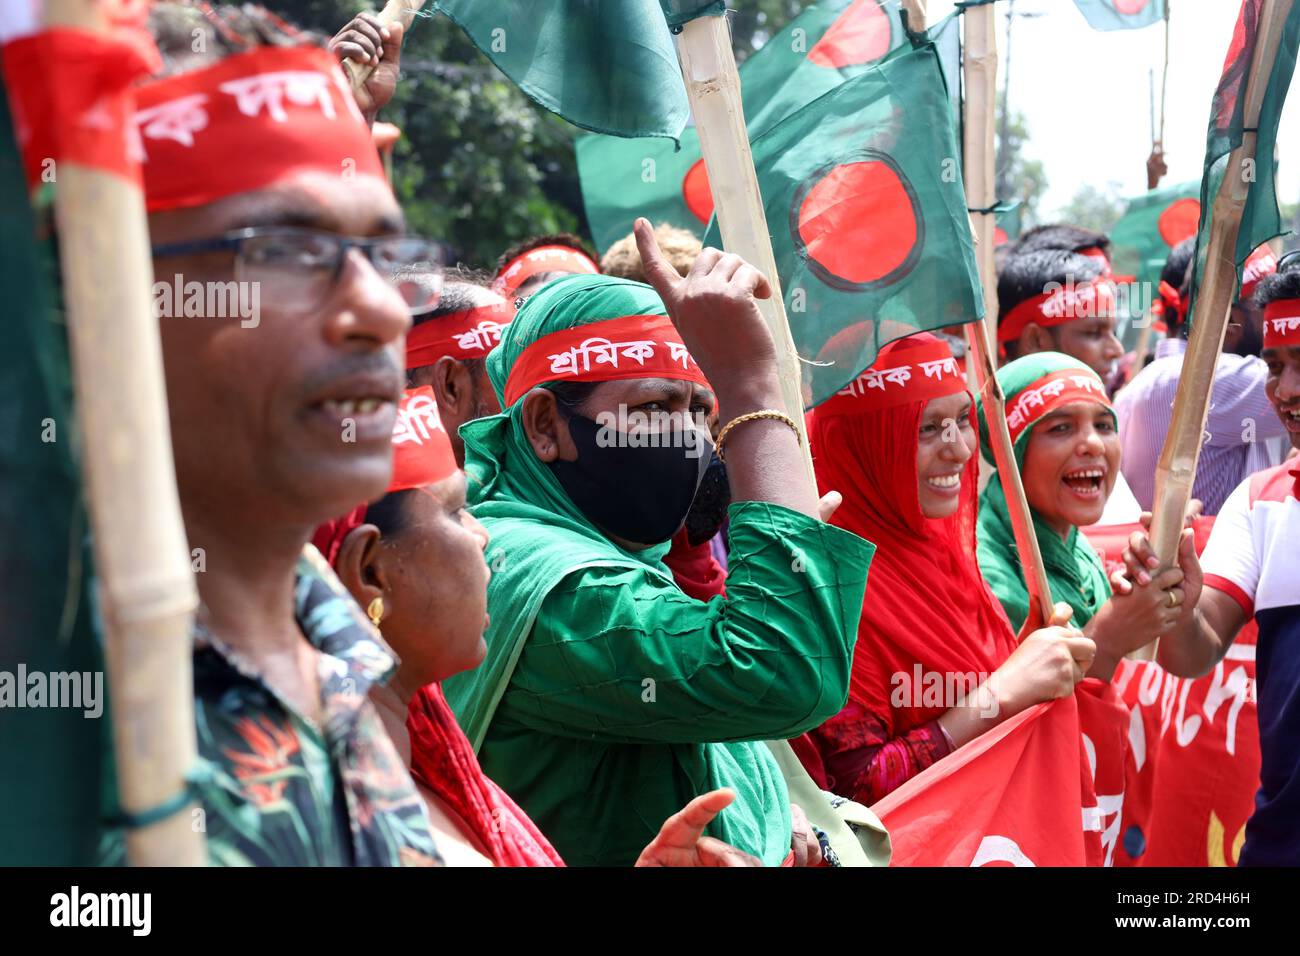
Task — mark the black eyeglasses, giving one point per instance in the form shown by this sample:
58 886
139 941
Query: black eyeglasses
294 270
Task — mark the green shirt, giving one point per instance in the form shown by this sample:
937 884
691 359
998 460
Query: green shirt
630 698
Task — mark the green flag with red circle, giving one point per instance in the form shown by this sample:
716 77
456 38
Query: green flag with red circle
828 43
864 200
1152 224
1121 14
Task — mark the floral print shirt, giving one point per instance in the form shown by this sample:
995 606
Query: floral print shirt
280 790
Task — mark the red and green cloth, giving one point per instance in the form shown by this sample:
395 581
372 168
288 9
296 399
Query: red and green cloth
826 44
870 244
1121 14
1261 219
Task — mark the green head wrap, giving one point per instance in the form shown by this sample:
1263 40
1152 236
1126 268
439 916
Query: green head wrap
1073 568
538 534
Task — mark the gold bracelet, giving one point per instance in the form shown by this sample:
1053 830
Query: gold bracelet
771 413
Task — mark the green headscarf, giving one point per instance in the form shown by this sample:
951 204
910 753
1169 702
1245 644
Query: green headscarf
1074 571
538 535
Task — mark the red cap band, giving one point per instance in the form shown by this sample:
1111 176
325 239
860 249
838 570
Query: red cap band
1259 264
1052 392
1098 255
542 259
470 333
247 122
1059 305
913 369
422 452
634 346
1282 324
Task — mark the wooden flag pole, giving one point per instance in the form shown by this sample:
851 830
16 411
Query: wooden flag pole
713 87
1176 469
146 587
394 10
980 69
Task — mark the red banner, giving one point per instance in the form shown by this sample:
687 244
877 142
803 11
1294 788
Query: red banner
1020 795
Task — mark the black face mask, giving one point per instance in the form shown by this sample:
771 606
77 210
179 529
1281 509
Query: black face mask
639 494
709 509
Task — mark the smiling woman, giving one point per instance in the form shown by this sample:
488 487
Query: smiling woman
1067 447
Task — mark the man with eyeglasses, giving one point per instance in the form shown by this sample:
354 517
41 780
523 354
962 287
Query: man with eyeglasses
1242 433
260 170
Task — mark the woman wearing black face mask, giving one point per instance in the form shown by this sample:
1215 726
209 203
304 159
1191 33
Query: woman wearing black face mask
608 694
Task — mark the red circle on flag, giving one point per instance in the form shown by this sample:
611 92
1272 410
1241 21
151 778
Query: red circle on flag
1130 7
1179 221
860 35
1000 237
859 222
696 193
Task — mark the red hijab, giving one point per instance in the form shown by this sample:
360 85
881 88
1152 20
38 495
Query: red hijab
926 602
443 761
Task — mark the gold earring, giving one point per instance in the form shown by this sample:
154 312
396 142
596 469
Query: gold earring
376 611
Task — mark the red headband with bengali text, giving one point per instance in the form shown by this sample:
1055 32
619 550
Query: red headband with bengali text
467 334
912 369
1051 392
632 346
1282 324
542 259
1059 305
422 453
247 122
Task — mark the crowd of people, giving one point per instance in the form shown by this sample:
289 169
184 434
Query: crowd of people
489 627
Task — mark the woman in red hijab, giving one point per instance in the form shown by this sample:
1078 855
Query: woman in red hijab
414 561
936 662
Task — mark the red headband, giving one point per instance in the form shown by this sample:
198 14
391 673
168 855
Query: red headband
1282 324
1062 304
913 369
542 259
422 452
634 346
1098 255
1259 264
470 333
247 122
1050 393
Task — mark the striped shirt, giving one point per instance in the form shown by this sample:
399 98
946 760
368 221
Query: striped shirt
1243 433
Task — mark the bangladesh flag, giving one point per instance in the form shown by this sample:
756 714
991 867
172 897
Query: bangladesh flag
1151 226
1261 220
1121 14
51 758
819 49
863 194
606 66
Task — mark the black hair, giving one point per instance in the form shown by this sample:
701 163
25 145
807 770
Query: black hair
1177 272
549 239
1062 236
388 514
1283 284
570 395
1025 275
224 29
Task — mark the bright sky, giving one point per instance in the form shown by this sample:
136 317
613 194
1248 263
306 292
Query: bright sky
1085 94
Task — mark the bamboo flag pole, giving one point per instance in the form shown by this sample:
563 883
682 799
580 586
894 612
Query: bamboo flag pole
713 88
146 588
394 10
1176 469
980 69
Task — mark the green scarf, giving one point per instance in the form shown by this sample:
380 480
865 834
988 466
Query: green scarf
1073 569
538 535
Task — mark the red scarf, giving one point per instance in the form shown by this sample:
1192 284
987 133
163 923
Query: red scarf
694 568
926 602
443 761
